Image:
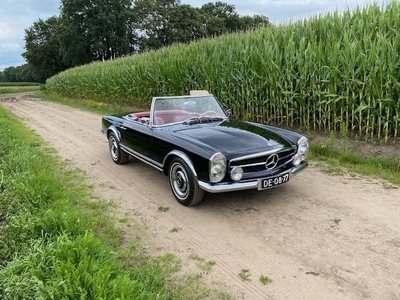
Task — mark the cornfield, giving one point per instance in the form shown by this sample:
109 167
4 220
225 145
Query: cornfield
338 72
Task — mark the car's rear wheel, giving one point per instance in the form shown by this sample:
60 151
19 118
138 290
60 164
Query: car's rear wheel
118 155
183 184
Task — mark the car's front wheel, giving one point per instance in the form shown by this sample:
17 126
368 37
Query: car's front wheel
183 183
118 155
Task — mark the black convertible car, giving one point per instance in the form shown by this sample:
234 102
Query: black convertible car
193 141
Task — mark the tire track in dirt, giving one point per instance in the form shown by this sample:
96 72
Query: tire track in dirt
288 234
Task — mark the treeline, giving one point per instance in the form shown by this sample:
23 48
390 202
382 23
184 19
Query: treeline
17 74
99 30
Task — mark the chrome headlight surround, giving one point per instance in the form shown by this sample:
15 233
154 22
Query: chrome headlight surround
217 167
302 151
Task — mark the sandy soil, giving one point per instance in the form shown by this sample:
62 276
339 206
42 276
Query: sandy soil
288 234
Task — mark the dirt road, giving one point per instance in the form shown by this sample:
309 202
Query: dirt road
318 237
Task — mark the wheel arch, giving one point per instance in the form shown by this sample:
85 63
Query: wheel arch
178 153
113 129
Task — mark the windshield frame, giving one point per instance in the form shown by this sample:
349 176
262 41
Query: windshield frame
192 105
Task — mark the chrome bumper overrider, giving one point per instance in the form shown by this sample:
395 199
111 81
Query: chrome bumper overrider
247 185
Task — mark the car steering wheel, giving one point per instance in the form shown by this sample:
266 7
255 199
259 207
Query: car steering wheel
208 112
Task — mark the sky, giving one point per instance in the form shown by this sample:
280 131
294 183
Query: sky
18 15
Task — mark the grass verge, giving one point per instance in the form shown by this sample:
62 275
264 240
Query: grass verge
58 242
19 84
88 104
14 89
341 159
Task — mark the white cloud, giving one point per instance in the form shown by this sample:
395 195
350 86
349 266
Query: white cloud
9 47
5 31
15 17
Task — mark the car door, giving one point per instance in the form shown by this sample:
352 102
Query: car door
136 137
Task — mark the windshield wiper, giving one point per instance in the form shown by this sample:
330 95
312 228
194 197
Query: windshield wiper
205 119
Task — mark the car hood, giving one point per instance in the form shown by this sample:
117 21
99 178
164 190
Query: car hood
234 137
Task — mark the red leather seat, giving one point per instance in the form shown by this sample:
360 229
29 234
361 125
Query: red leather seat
158 121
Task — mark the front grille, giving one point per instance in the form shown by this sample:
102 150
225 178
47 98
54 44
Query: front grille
257 163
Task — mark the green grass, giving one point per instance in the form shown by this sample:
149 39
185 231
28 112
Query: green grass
99 107
19 84
163 209
201 263
175 229
245 274
18 89
59 242
341 160
265 279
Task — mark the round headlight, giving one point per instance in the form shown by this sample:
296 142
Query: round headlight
217 167
236 174
302 147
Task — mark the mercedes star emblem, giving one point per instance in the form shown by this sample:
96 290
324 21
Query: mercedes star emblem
271 161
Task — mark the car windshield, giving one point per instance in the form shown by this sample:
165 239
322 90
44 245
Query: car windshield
189 110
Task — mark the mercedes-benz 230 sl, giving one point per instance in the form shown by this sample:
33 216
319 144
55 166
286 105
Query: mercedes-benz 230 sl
195 143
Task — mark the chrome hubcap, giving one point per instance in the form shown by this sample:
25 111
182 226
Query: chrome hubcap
113 148
179 181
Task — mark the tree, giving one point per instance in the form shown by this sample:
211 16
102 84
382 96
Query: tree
24 73
187 24
17 74
247 22
42 49
9 74
220 18
95 30
153 22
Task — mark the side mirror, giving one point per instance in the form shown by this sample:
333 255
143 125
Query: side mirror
145 120
228 112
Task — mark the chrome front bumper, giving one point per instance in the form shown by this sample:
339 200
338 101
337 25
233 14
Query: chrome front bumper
246 185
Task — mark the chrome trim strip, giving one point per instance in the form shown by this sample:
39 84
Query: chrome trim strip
227 187
153 103
260 154
263 163
181 97
275 149
246 185
249 165
142 158
289 155
284 164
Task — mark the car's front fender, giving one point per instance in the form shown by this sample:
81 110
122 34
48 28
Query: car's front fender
181 155
113 129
